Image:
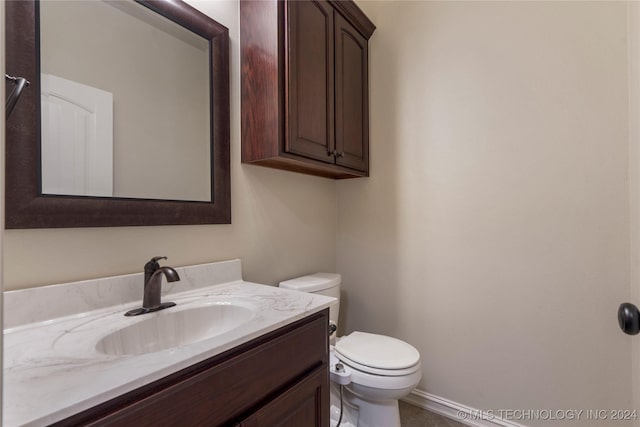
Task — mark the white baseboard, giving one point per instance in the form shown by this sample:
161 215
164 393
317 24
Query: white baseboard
456 411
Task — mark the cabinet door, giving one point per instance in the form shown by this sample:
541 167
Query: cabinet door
310 105
304 404
352 99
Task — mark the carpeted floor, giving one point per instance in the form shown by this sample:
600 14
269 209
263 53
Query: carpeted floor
412 416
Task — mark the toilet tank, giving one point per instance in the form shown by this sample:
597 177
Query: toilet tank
319 283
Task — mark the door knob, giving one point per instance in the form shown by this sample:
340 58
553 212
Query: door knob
629 318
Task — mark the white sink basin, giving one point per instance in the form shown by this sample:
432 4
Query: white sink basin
175 327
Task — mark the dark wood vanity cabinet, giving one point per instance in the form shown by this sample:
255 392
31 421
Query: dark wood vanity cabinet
299 406
279 379
305 103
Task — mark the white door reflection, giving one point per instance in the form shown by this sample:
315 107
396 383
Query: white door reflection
77 138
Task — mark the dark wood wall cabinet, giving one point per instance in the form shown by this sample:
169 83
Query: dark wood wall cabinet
280 379
305 101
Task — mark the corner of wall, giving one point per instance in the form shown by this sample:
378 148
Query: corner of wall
633 31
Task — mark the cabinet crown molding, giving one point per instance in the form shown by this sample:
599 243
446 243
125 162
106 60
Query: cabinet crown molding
356 16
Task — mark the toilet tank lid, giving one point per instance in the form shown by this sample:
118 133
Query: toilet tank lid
313 282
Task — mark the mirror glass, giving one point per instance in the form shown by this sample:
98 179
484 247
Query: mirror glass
125 103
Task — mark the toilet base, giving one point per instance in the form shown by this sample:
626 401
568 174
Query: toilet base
360 412
335 414
379 413
349 412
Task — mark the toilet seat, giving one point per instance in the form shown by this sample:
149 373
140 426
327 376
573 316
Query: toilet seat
391 379
378 354
384 382
377 371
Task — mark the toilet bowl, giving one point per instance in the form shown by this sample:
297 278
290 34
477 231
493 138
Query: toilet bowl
369 371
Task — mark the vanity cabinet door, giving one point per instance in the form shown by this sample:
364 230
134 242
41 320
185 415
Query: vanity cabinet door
310 80
352 97
304 404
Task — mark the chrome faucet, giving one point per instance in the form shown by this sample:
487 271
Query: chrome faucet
153 285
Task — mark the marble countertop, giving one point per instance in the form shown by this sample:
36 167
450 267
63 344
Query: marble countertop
52 369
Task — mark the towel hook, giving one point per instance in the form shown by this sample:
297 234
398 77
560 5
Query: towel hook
19 85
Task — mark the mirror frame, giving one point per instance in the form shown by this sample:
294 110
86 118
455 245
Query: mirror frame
26 207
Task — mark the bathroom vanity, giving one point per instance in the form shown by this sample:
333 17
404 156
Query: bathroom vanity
250 385
262 361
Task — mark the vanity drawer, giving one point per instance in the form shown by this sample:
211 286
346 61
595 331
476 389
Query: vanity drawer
226 388
296 407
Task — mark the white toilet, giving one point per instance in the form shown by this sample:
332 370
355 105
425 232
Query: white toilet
376 370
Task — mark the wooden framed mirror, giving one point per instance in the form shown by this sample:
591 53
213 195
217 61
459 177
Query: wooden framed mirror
32 202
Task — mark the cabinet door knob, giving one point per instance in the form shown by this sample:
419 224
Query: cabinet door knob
335 153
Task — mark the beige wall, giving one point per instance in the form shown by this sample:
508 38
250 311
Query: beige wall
159 83
283 223
493 233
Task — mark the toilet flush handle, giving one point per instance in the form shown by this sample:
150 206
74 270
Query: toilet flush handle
332 327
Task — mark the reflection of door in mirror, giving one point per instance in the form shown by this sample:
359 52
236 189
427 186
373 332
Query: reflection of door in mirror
77 138
158 74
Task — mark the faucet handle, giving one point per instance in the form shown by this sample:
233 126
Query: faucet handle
153 265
